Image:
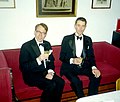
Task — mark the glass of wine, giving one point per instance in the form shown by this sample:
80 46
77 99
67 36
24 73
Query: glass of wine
48 52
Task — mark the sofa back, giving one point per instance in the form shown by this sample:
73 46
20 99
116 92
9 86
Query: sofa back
99 52
105 52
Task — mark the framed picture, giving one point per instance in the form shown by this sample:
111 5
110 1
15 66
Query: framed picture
7 3
101 4
56 8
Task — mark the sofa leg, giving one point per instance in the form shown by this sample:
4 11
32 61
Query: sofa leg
14 98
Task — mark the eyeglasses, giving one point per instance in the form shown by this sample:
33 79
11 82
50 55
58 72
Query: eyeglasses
40 32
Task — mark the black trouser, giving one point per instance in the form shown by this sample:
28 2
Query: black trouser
76 83
52 89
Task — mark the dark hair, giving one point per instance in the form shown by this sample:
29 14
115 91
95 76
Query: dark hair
43 25
81 19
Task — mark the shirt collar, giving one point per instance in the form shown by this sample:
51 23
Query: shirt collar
38 42
76 34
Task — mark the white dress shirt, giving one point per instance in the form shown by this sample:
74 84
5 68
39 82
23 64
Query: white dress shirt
79 48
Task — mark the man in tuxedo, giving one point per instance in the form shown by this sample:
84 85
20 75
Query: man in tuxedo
77 58
37 66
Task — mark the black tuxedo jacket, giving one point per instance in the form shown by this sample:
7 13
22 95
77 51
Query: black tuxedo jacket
68 50
32 72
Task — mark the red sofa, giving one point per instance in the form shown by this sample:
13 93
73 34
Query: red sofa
107 58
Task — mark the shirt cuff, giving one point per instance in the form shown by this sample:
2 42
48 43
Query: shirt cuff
38 61
50 70
94 67
71 60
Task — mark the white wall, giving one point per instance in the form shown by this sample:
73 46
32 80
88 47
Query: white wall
17 25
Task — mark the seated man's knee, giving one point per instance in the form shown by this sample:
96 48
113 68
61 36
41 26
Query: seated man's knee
50 87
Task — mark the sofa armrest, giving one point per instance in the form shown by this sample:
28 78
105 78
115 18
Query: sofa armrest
5 85
112 55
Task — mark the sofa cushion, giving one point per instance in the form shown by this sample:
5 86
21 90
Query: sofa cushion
28 92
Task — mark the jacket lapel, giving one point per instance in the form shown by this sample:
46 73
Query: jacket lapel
35 47
85 46
72 45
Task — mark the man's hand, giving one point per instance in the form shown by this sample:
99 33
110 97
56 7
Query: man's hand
77 61
43 57
96 72
49 76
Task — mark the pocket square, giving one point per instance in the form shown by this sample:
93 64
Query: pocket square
88 47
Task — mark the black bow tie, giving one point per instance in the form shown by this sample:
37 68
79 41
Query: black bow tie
79 38
42 44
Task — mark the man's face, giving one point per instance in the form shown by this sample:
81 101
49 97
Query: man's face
80 27
40 33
